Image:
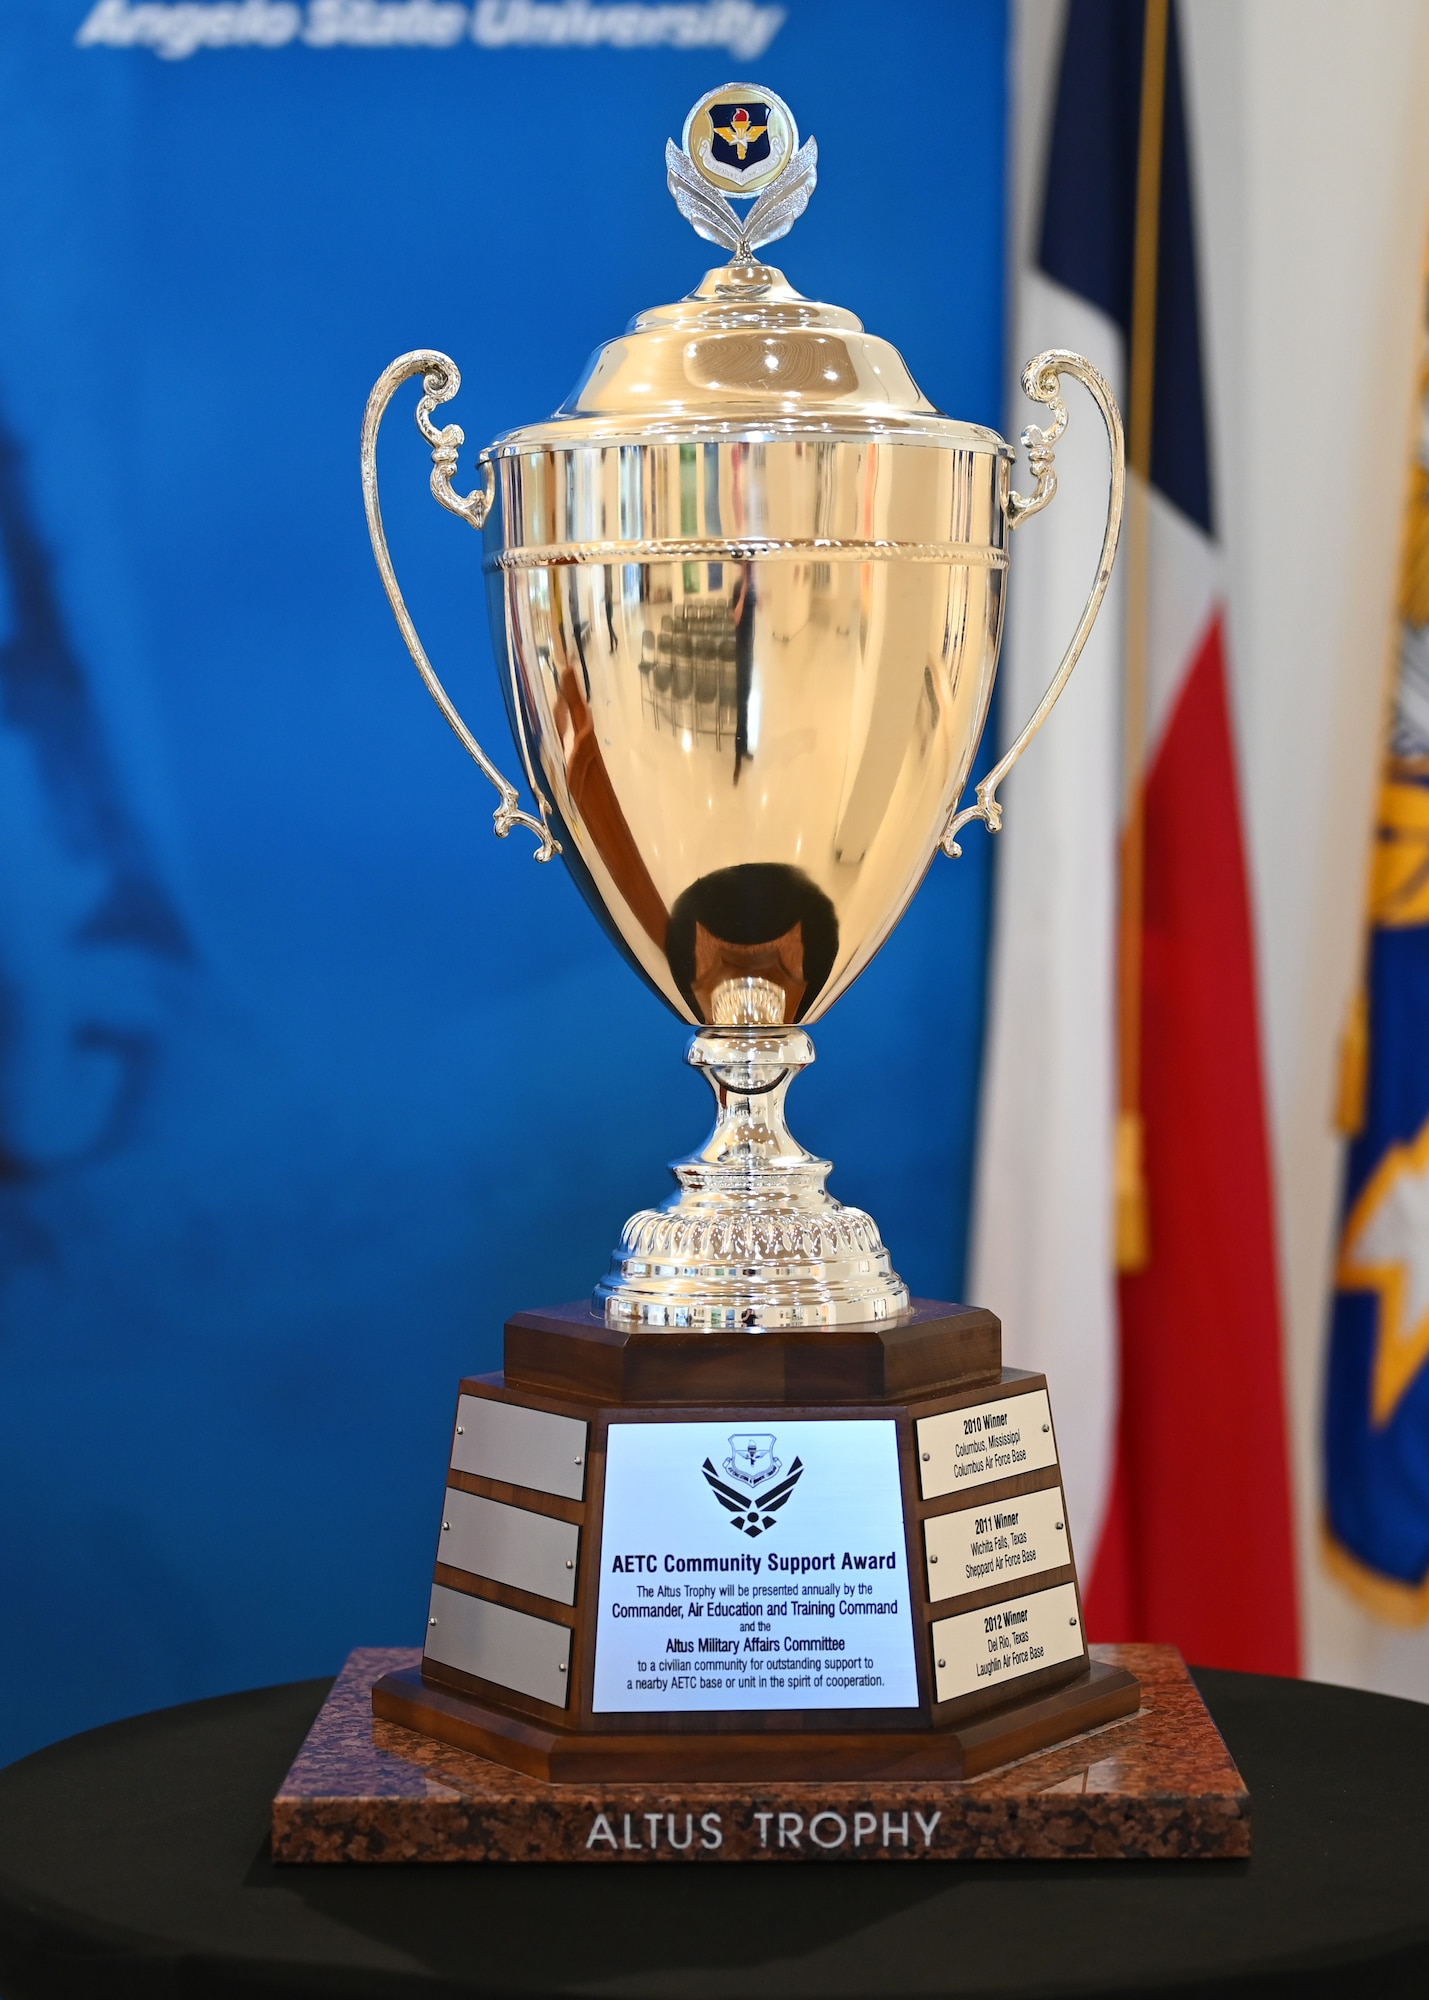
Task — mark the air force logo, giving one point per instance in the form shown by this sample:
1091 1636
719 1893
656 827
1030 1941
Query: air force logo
744 144
741 134
739 138
753 1464
751 1457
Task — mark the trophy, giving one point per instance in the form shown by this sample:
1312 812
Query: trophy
749 1508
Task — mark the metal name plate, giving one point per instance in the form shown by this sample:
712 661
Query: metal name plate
759 1567
509 1647
973 1446
981 1648
522 1447
989 1544
510 1545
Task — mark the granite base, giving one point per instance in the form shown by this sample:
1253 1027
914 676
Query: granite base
1158 1786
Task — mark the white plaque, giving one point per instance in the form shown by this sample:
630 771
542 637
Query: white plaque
991 1543
980 1649
753 1564
985 1441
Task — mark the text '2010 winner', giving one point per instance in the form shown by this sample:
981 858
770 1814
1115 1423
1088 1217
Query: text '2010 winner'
760 1566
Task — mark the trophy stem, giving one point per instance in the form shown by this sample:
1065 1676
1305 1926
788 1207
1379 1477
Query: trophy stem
752 1238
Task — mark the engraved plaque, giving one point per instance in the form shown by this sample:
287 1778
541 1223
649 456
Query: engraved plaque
986 1441
508 1647
523 1447
990 1544
510 1545
1001 1642
754 1563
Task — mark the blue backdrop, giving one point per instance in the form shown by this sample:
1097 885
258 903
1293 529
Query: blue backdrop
295 1103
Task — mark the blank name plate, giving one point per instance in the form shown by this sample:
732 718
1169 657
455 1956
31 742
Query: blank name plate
497 1644
521 1447
980 1546
979 1649
510 1545
997 1440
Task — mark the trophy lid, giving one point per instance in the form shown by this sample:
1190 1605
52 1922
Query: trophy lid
744 355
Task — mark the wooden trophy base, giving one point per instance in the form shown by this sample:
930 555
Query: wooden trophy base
1104 1693
673 1556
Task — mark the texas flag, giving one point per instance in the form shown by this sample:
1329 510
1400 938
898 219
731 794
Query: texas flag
1124 1227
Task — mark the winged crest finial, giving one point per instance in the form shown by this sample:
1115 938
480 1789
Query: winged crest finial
741 141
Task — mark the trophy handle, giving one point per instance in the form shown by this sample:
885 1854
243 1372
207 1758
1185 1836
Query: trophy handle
440 381
1041 380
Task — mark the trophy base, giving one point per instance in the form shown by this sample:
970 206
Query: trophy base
569 1351
801 1552
1100 1695
1156 1785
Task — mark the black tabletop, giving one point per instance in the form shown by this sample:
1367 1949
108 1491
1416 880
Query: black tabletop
133 1862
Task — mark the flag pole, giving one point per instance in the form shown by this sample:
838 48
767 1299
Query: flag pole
1133 1234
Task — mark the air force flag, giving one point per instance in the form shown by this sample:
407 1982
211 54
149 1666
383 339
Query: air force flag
1377 1404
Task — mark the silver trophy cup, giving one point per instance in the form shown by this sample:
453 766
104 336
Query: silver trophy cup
747 586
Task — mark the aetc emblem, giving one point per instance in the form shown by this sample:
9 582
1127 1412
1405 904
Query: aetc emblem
740 137
752 1462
